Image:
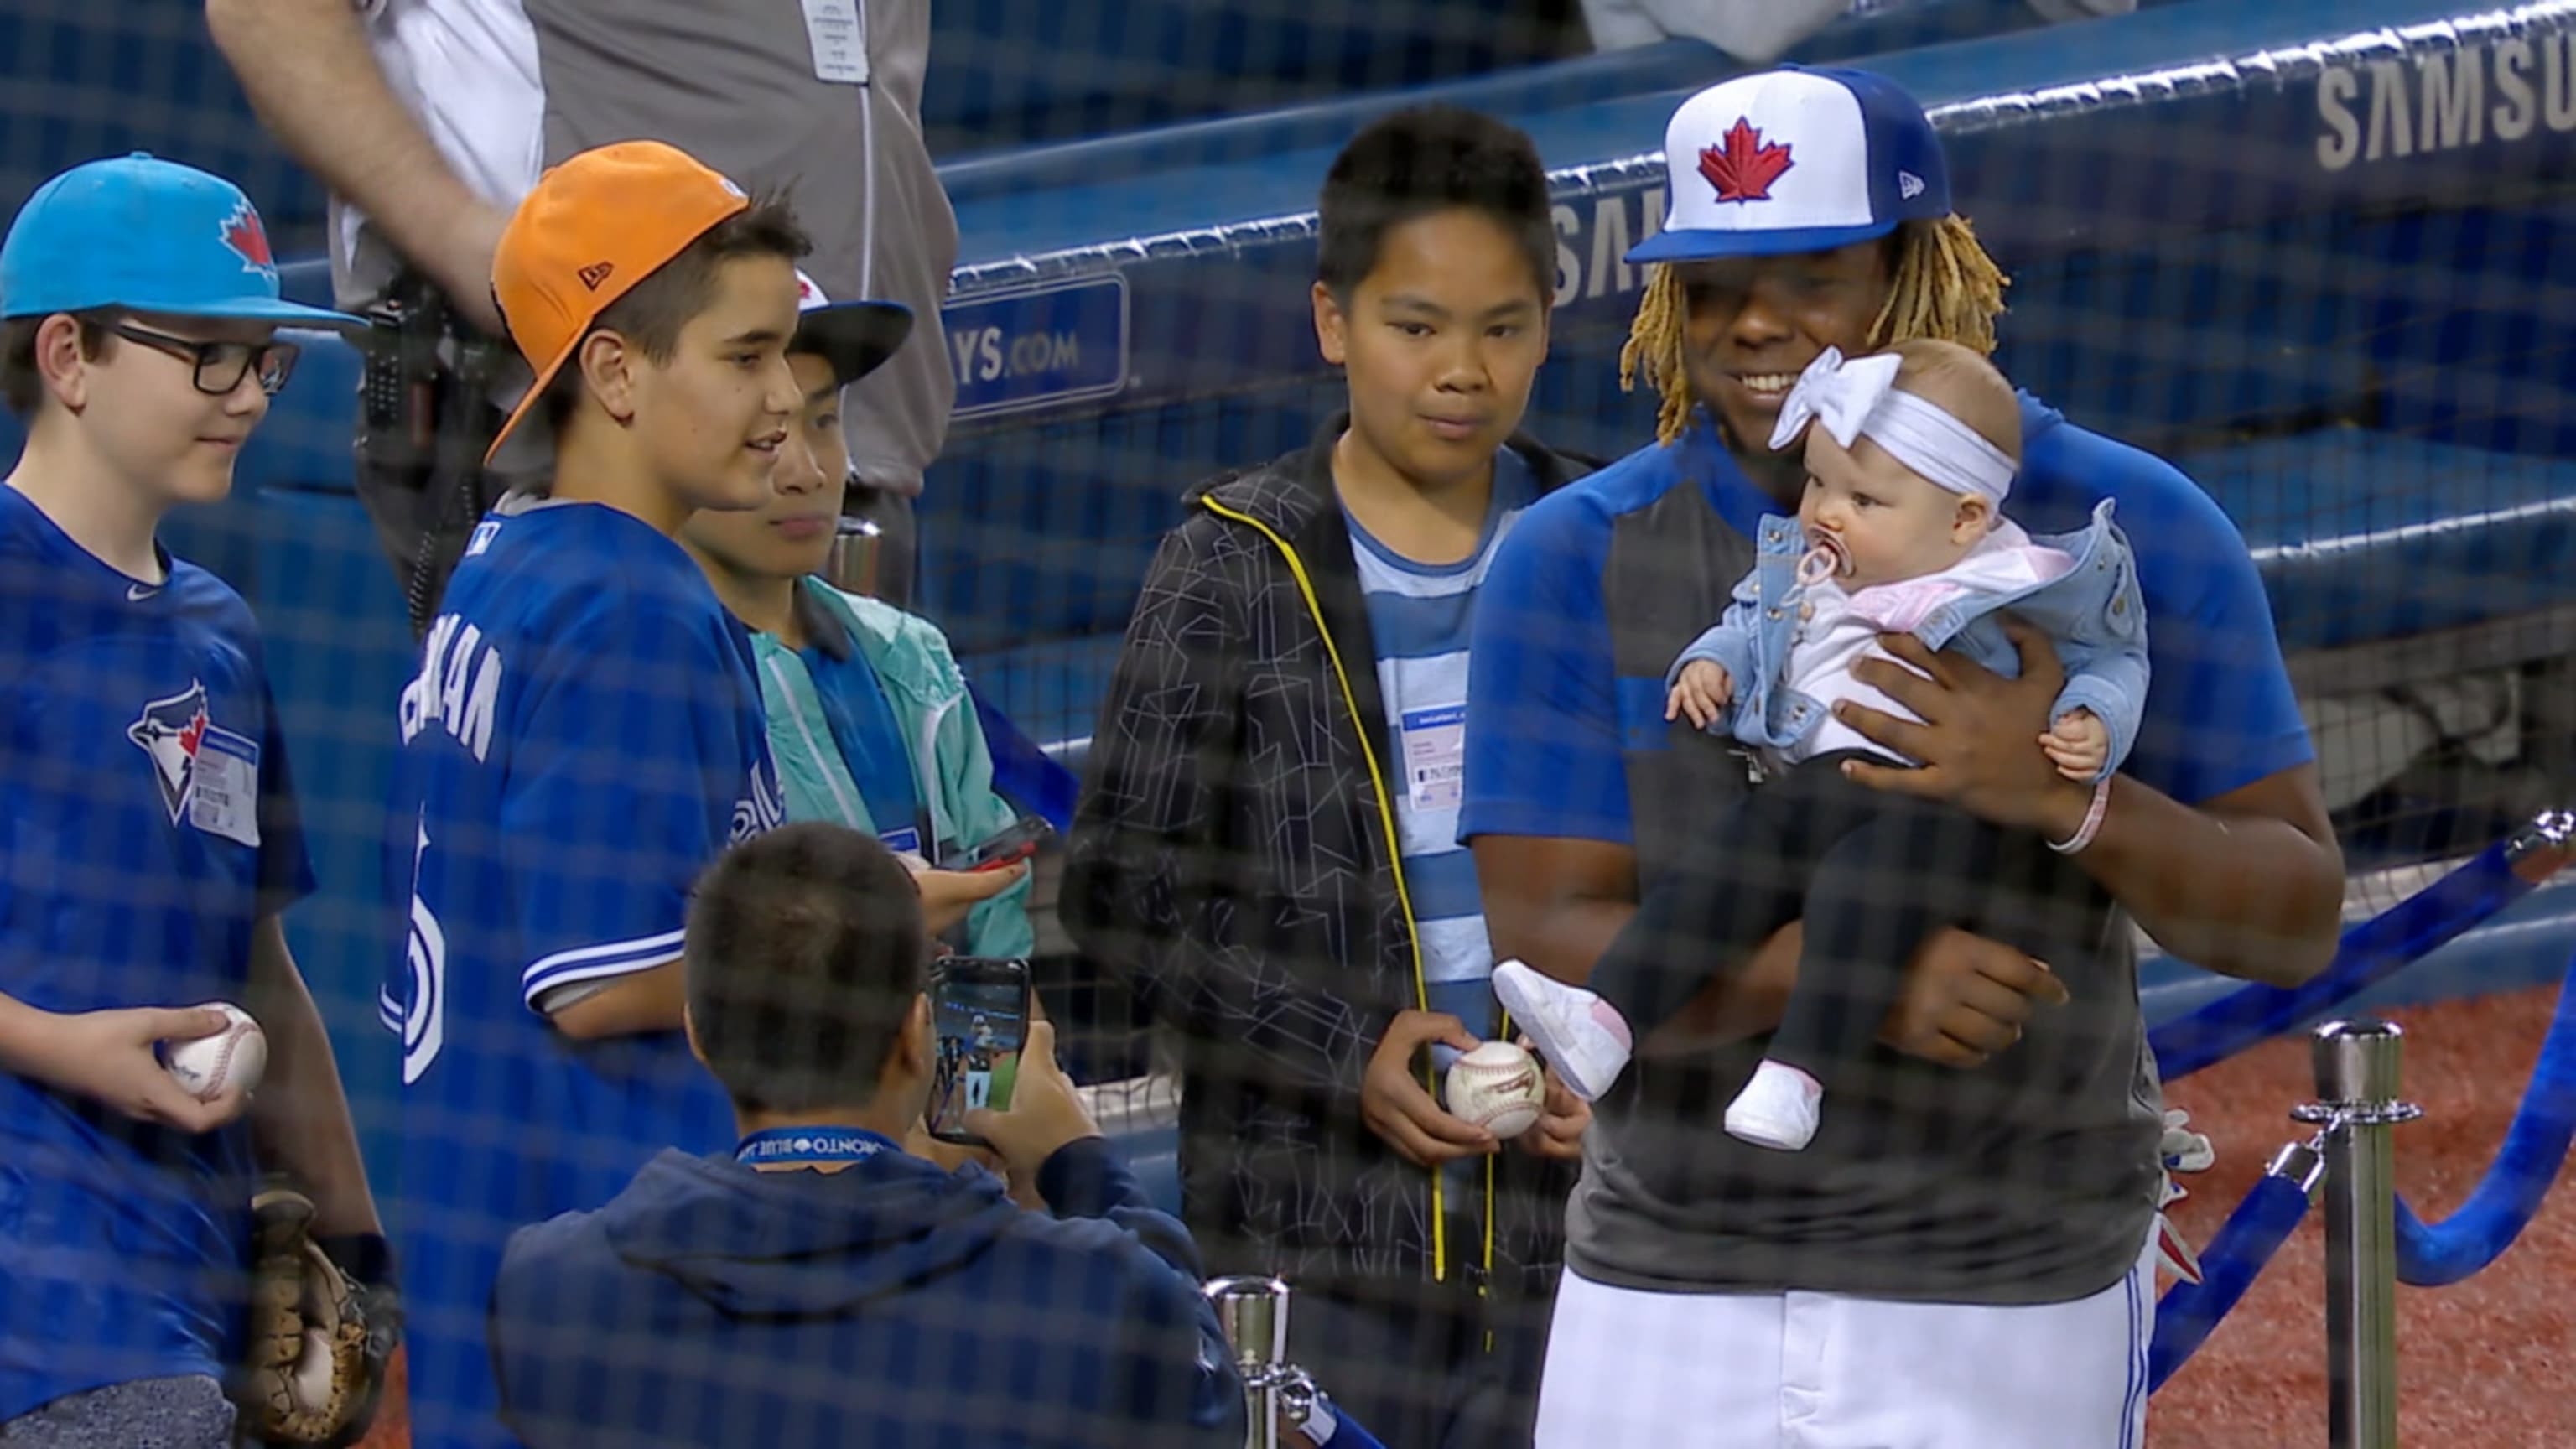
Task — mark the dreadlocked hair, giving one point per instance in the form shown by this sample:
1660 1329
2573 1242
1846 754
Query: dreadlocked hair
1944 287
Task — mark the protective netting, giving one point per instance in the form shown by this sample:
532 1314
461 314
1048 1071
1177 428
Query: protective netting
2314 255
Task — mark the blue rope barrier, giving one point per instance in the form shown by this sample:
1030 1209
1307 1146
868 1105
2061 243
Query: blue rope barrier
2254 1232
2371 952
1348 1433
2438 1254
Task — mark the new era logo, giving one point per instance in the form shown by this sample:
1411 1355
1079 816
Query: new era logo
596 273
1908 185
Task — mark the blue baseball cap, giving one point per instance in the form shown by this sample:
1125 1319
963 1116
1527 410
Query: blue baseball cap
150 235
1795 160
855 337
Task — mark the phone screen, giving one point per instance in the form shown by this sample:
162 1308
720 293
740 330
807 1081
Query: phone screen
979 1020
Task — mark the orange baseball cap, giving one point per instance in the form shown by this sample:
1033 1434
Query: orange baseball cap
595 226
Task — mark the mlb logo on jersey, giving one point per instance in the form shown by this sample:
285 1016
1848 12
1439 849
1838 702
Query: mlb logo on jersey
209 776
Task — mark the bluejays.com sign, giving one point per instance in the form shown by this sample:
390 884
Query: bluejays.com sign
1038 347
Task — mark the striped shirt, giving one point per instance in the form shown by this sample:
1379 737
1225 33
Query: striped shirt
1420 616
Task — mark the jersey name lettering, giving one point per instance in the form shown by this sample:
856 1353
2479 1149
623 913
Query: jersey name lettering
458 687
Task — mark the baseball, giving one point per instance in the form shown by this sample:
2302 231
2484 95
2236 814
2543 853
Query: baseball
233 1057
1497 1087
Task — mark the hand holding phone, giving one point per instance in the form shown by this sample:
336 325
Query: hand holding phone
1045 1112
979 1024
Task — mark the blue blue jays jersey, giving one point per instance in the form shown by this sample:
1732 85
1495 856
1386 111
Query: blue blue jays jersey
146 825
584 737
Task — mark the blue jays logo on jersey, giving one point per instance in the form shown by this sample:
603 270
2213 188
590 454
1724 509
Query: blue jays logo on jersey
171 731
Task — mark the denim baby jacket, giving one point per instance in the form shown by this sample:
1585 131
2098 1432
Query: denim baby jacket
2093 611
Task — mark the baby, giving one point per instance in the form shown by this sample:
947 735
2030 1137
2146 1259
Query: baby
1910 457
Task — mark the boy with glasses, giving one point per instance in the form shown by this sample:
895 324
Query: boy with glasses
218 367
148 832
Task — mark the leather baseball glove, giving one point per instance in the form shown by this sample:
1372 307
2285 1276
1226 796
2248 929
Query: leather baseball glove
319 1335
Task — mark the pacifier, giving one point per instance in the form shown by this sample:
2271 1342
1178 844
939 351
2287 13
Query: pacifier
1824 559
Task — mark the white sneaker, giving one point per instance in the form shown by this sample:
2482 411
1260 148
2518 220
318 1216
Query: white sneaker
1778 1108
1582 1036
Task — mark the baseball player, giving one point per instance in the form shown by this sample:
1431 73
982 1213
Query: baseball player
584 736
1962 1258
979 1065
148 831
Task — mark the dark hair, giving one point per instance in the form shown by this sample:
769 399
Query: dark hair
804 955
669 297
1424 160
22 383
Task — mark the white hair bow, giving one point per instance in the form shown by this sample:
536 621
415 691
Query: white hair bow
1837 393
1849 398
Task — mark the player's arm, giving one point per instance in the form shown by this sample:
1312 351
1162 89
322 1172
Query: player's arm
1558 903
1149 873
311 76
2238 871
2248 880
638 1002
2248 884
1546 809
300 1114
628 767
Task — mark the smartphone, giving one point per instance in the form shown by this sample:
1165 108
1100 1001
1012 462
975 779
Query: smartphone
1015 842
979 1020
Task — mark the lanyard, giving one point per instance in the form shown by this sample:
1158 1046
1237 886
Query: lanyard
806 1146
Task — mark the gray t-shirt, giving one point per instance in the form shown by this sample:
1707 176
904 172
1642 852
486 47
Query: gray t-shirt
507 87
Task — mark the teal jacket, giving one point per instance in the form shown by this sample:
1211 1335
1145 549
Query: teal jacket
952 766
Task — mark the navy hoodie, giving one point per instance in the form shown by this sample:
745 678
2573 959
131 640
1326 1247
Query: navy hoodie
890 1304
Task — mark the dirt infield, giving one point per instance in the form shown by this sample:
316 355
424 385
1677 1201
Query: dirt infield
2485 1364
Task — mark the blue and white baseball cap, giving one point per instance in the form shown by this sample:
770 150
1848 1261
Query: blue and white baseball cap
150 235
855 337
1795 160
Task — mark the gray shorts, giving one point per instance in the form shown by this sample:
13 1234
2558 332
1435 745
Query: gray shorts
189 1412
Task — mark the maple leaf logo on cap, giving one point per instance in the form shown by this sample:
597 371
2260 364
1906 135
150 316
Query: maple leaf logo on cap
1743 168
249 241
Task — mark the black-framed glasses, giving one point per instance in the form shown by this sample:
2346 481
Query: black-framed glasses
220 366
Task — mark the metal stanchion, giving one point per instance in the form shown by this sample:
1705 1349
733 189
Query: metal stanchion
2357 1084
2544 846
1253 1310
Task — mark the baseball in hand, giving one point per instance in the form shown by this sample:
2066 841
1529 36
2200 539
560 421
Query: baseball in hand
232 1058
1497 1087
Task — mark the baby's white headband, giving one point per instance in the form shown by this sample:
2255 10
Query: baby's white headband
1848 399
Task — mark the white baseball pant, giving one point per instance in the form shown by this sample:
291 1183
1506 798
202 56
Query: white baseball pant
1824 1371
